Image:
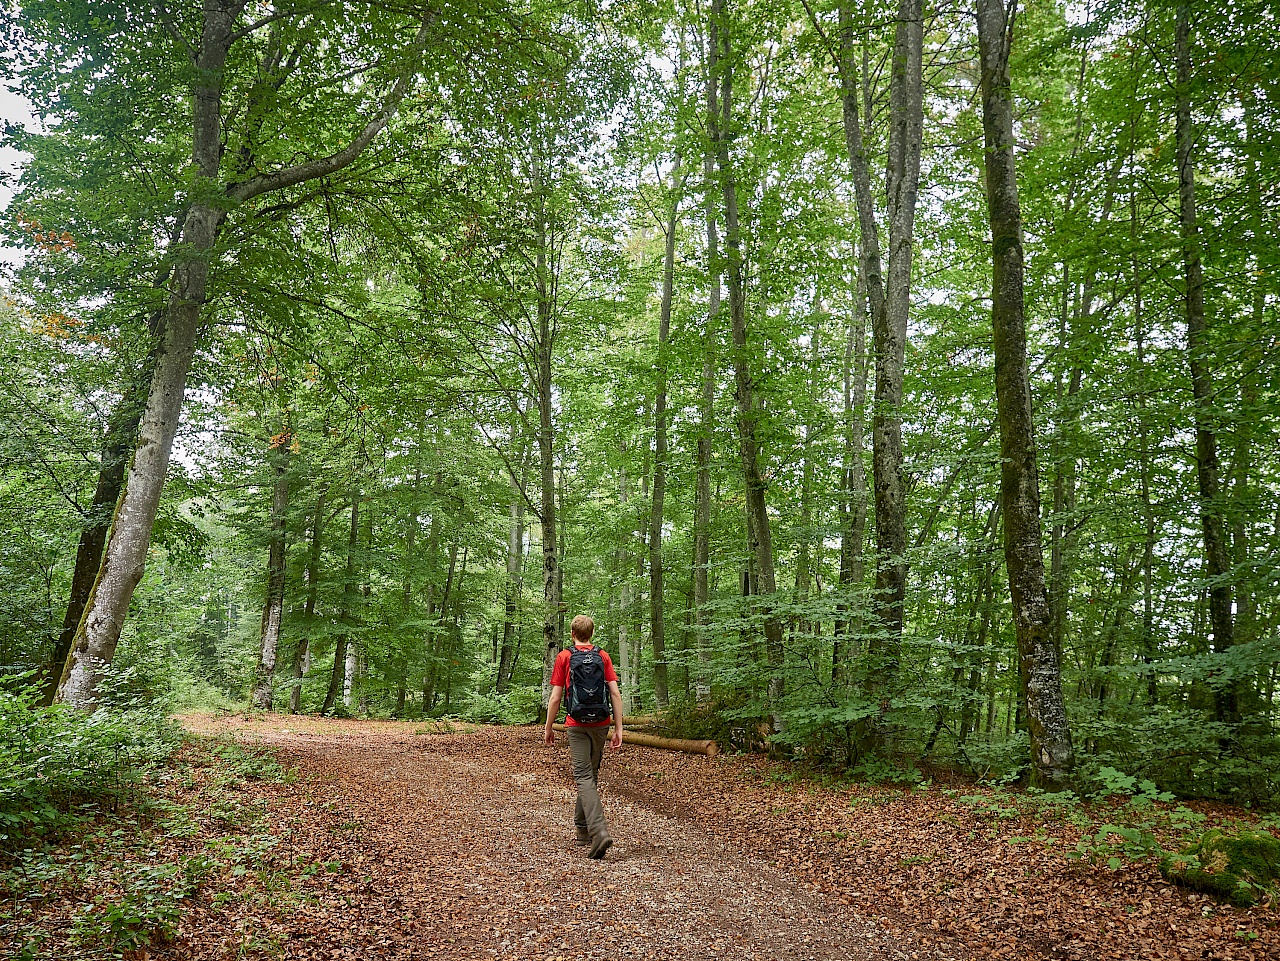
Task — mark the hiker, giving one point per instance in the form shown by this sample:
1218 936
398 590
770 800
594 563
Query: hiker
588 674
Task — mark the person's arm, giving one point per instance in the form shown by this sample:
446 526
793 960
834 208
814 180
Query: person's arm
553 710
615 698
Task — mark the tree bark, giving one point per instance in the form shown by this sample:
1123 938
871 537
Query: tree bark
515 557
853 501
906 124
127 544
657 633
273 606
546 449
125 559
748 412
309 608
338 674
801 623
706 404
1052 756
1217 552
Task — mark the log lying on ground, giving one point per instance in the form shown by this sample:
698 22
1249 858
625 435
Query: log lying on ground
709 748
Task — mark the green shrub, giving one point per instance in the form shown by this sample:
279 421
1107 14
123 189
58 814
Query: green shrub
1239 867
519 705
57 764
730 722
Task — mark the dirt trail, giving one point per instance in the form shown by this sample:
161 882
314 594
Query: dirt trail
461 846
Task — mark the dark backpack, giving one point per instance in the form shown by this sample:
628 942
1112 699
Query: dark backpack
588 692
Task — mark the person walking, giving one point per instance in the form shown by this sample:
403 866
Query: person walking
592 684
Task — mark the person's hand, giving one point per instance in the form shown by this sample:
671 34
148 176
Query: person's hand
550 735
616 741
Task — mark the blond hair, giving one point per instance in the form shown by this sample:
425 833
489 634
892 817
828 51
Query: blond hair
582 628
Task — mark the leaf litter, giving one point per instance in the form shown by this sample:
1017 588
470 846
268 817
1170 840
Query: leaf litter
397 840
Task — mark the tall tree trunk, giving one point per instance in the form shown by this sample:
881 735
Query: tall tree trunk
440 640
406 598
902 178
117 447
748 412
98 632
641 554
1149 643
337 675
706 404
870 298
1052 756
309 608
657 633
515 557
544 282
1217 554
801 623
127 544
455 633
853 480
1063 533
273 605
352 684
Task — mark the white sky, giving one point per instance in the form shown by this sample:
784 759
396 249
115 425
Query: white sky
16 110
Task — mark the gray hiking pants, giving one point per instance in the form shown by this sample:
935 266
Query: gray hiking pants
586 747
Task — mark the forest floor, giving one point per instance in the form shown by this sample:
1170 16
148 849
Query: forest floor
430 840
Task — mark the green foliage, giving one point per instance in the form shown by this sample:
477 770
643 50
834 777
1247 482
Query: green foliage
519 705
250 763
730 722
390 327
1113 782
58 765
146 910
1242 866
876 770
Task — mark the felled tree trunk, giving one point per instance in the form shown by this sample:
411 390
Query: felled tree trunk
709 748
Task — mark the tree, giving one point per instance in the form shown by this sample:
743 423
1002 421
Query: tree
1052 755
213 194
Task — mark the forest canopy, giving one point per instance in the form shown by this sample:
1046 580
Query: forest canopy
894 383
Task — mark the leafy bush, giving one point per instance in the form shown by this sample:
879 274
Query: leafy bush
519 705
58 763
1182 752
730 722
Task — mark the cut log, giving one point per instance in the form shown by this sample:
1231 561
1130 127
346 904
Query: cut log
709 748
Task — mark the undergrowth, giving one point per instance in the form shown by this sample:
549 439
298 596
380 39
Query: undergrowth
59 766
115 859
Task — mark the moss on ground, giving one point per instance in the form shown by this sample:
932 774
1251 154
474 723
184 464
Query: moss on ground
1239 867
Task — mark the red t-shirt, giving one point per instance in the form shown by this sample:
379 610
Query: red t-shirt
560 677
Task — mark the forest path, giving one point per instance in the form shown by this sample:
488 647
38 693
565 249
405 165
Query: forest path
461 846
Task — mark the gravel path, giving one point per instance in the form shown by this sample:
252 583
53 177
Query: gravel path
461 846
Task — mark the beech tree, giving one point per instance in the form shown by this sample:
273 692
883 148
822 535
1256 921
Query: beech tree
1051 751
647 306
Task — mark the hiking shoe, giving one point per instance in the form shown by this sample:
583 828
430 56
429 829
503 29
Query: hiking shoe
600 847
581 835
